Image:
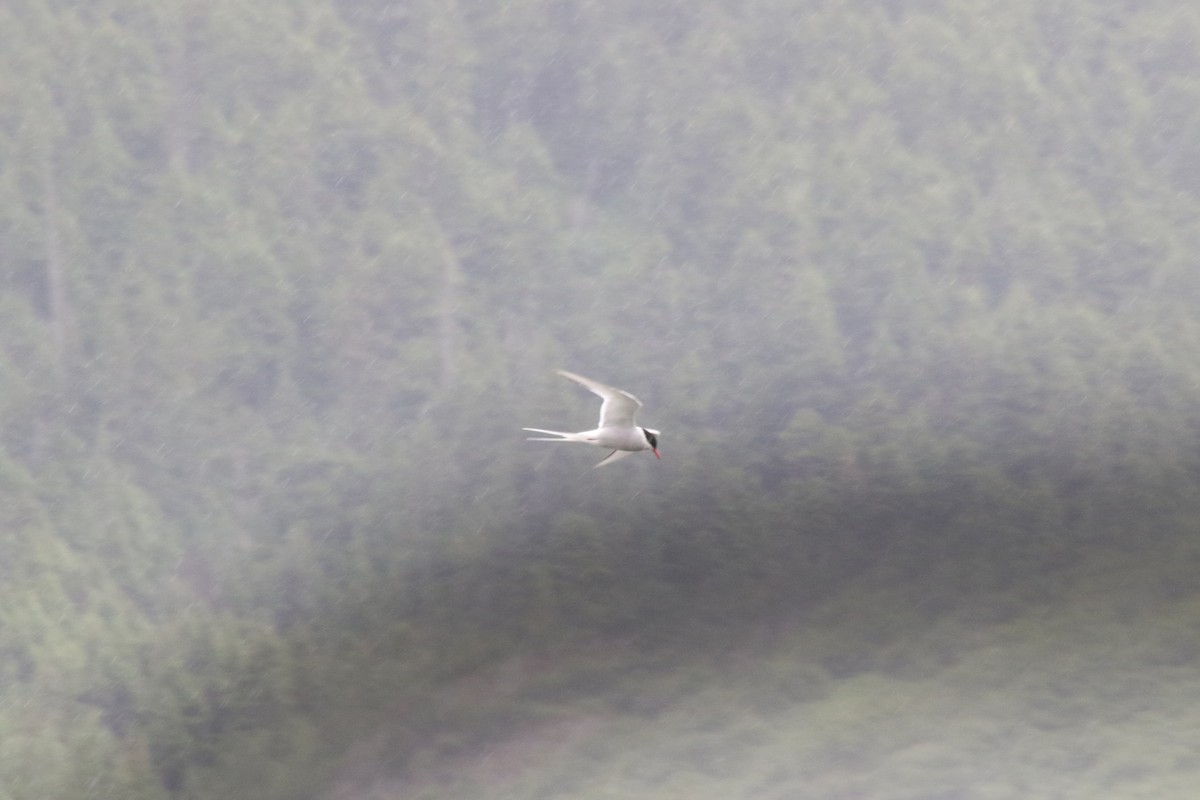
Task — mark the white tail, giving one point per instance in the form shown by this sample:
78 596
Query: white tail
564 437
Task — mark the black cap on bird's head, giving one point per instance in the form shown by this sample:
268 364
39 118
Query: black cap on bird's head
652 439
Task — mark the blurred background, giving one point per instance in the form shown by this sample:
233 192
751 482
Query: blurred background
910 288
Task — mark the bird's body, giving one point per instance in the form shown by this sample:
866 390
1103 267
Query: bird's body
617 430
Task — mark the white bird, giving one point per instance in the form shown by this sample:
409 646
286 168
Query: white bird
616 429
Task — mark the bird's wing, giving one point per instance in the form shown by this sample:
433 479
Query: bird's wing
615 455
618 407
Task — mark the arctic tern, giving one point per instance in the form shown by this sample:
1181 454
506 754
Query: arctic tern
616 430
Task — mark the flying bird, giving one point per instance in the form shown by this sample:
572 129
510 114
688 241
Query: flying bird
616 430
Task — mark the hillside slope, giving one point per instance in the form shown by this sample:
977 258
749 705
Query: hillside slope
1086 690
911 295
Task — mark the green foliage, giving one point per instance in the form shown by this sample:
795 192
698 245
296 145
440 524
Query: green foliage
909 289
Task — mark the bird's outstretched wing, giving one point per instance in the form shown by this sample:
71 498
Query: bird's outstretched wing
618 407
615 455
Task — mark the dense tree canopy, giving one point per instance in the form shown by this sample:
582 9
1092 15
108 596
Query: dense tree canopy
910 287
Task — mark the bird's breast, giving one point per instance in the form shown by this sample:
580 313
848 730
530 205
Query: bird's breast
621 438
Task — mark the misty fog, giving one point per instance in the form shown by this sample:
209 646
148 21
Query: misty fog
909 289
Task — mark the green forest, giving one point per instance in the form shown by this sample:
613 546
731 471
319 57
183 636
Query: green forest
910 287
